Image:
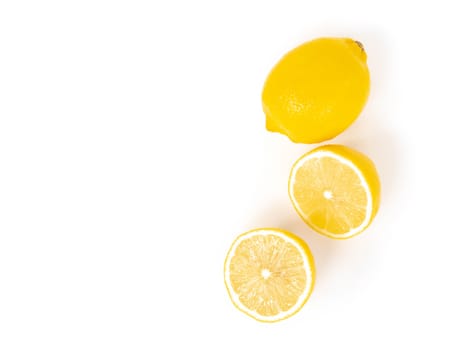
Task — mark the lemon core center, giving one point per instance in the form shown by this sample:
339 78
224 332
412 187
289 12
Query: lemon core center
265 273
328 194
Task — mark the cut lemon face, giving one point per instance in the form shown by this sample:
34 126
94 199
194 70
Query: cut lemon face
269 274
335 190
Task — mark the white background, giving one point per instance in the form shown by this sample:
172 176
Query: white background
133 151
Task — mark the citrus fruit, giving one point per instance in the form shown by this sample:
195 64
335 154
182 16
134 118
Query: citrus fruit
335 190
317 90
269 274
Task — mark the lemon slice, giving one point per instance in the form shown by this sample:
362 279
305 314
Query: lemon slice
269 274
335 190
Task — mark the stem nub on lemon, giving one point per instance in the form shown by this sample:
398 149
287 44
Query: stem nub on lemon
335 190
317 90
269 274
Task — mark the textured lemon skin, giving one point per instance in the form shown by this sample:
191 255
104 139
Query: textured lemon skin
317 90
369 172
302 244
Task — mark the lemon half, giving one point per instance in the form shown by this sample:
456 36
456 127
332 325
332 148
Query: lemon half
269 274
335 190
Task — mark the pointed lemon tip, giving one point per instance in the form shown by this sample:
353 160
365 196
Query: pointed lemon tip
270 124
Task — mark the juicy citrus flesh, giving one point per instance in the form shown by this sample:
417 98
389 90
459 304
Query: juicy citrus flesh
269 274
317 90
335 190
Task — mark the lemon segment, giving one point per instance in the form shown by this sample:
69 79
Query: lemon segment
269 274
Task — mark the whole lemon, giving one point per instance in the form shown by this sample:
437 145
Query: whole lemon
317 90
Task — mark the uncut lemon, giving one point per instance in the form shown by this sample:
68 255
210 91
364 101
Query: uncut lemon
335 190
269 274
317 90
